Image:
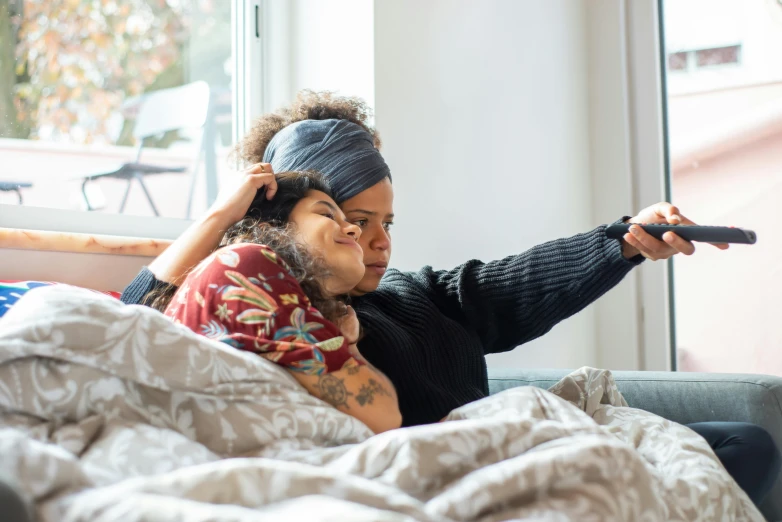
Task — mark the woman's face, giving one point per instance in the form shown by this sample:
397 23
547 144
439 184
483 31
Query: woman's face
322 226
373 212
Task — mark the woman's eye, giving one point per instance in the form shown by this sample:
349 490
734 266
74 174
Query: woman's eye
387 225
362 223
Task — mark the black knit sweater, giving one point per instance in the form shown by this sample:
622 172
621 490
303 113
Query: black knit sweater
428 331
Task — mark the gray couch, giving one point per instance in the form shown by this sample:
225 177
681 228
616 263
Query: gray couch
686 398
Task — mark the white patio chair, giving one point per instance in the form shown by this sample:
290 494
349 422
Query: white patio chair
15 186
185 107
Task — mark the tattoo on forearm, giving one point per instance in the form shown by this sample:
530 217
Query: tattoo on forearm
366 395
333 391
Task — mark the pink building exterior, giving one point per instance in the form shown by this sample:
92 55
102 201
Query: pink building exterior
726 157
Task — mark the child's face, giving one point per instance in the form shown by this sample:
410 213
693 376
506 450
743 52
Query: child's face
321 226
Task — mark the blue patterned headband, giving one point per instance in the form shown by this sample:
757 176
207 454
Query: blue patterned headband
340 150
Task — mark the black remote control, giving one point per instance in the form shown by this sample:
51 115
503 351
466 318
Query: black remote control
689 232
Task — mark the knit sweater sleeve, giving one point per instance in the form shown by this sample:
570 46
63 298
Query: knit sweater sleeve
141 285
517 299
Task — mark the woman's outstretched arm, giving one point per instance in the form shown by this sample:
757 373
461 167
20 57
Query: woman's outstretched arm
514 300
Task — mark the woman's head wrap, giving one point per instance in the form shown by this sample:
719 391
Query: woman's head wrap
342 151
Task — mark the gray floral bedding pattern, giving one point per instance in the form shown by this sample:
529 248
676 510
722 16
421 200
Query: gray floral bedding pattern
112 412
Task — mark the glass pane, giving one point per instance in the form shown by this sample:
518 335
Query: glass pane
725 139
718 56
677 61
80 79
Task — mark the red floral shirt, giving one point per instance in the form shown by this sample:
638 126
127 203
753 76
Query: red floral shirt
245 296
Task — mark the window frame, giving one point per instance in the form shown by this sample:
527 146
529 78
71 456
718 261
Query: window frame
247 97
651 174
635 329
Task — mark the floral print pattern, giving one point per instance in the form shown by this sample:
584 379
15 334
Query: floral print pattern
244 295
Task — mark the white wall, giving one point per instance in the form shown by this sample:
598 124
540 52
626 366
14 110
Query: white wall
323 45
484 112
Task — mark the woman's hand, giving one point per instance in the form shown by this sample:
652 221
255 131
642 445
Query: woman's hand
638 241
349 326
234 200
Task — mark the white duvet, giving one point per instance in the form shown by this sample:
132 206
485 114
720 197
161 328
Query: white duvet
111 412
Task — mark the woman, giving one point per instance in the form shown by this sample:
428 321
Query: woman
278 287
430 330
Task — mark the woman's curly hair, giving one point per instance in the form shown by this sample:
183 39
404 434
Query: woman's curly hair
309 105
266 223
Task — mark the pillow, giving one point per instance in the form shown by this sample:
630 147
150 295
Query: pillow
12 291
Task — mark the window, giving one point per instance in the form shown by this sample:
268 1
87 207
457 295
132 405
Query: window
702 58
78 80
718 56
678 61
75 77
725 147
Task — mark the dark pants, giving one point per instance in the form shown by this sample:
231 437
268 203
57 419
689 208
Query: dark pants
748 453
12 506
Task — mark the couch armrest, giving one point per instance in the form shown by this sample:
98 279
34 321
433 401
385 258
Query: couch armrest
685 398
